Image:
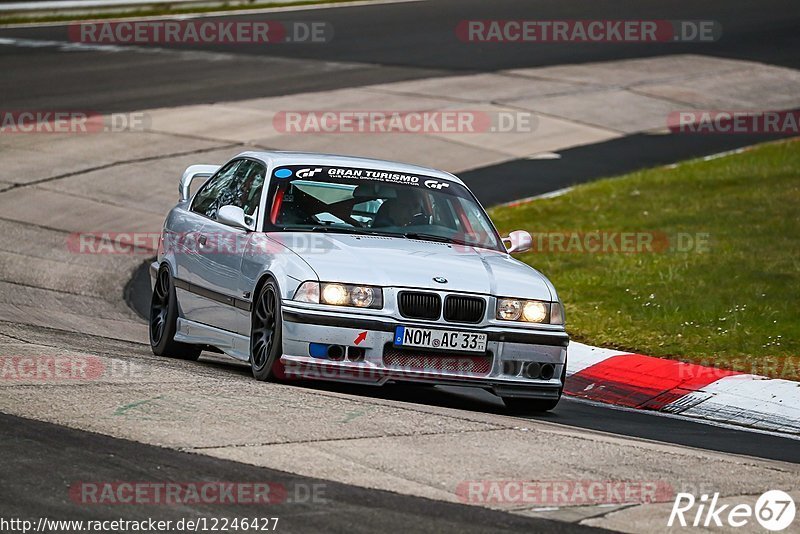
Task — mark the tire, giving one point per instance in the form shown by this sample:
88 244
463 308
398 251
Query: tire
163 321
266 346
521 405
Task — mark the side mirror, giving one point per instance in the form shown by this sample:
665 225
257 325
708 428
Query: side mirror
234 216
192 172
518 241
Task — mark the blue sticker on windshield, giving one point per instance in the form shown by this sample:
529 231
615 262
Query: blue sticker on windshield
283 173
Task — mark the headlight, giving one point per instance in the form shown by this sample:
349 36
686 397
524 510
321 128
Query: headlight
529 311
362 296
337 294
509 309
535 311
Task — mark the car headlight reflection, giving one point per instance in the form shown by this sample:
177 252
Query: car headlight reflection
529 311
336 294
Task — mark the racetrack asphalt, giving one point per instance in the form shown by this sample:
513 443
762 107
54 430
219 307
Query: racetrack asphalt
371 44
50 459
393 42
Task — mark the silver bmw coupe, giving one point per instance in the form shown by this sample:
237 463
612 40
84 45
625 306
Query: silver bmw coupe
314 266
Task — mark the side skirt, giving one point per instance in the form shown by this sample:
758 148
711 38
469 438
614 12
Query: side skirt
234 345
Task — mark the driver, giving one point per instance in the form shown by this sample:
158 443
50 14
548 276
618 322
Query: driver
401 211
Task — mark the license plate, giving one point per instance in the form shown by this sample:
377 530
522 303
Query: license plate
405 336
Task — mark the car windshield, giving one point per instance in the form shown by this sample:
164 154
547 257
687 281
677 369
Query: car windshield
368 201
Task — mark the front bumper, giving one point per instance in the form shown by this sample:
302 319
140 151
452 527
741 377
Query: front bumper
375 334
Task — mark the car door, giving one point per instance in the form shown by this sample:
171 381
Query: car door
192 250
219 274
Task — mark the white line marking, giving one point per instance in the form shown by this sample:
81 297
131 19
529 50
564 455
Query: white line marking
549 509
545 155
712 156
551 194
184 16
724 154
199 55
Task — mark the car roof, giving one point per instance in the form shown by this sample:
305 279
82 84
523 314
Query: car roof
279 158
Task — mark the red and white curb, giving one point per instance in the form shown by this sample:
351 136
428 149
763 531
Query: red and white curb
648 383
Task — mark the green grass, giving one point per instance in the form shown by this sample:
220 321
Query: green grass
736 305
156 11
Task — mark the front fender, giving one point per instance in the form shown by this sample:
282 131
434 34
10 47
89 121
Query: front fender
263 257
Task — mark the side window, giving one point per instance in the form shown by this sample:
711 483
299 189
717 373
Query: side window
238 184
206 200
231 193
248 186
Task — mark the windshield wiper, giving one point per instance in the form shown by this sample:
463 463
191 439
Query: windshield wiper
321 228
340 229
427 237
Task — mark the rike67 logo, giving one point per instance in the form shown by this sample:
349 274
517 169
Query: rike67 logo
774 510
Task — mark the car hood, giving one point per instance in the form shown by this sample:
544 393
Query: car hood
400 262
